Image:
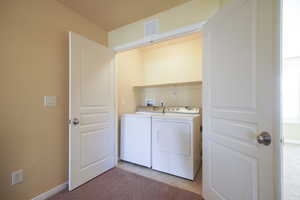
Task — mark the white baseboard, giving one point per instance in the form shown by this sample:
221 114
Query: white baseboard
51 192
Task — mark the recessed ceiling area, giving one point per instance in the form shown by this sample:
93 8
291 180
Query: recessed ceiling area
111 14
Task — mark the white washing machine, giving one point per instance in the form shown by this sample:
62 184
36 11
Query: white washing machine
176 141
136 135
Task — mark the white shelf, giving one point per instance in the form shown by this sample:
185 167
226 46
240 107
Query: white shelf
168 84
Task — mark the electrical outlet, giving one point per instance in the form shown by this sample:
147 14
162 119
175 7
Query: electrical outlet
149 102
17 177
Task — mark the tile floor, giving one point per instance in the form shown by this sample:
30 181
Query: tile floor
192 186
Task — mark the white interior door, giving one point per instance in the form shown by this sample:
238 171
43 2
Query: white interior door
91 110
238 100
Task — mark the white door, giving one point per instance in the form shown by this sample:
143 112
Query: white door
91 110
238 101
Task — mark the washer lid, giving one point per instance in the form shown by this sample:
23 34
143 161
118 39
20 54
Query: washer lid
142 115
150 109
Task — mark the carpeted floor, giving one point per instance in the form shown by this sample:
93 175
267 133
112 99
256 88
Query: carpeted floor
118 184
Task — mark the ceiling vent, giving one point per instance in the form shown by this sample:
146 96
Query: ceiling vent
151 28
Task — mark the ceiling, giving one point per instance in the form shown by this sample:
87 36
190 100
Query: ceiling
111 14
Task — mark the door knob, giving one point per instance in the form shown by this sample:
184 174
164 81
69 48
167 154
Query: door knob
264 138
75 121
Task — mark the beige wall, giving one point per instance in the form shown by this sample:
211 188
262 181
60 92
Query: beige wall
185 14
172 95
291 131
172 61
34 63
129 74
178 60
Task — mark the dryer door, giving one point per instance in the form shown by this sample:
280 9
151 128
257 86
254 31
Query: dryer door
172 147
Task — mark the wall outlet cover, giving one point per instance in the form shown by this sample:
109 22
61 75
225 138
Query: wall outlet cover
17 177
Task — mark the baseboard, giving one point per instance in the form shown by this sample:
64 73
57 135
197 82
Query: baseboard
51 192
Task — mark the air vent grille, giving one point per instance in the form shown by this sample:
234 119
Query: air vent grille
151 28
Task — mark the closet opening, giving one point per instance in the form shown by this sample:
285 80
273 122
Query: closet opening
159 106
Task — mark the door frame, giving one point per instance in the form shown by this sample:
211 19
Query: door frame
277 123
277 41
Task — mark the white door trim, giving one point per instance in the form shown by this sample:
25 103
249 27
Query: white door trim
278 135
160 37
116 121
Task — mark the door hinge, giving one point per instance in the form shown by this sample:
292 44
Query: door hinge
282 140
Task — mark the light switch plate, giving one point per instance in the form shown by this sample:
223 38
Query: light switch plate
17 177
50 101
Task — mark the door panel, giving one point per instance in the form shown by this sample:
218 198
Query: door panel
238 102
90 151
233 83
96 88
241 171
222 127
92 103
